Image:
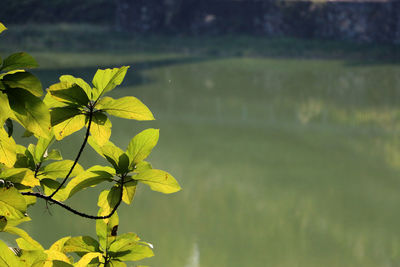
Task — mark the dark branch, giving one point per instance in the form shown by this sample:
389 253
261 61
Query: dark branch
78 156
74 211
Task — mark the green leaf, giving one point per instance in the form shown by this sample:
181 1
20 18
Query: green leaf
33 244
110 151
81 244
24 80
129 191
2 27
7 149
89 178
7 256
106 229
19 60
69 93
87 258
69 126
128 107
60 169
108 79
30 111
78 81
32 257
22 176
59 244
100 128
57 259
5 110
158 180
141 145
127 247
12 203
54 155
49 186
41 148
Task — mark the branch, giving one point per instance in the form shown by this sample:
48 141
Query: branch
74 211
78 156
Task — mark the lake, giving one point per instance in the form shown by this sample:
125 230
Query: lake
283 161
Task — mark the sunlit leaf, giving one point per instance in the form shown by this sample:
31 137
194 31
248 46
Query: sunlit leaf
5 110
24 80
78 81
127 247
2 27
129 191
7 256
41 148
54 155
22 176
60 169
69 126
69 93
56 259
81 244
143 166
30 111
31 258
19 60
109 151
12 203
128 107
158 180
117 263
51 102
108 79
106 230
87 258
7 149
100 128
24 235
90 177
141 145
59 244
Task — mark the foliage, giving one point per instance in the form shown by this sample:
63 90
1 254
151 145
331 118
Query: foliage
25 172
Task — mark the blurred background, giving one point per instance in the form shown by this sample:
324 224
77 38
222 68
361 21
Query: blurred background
280 119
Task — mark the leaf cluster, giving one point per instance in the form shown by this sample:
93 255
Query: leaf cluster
37 171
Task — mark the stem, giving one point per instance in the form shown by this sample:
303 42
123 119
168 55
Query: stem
78 156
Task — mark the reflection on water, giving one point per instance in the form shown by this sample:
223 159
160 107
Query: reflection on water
282 162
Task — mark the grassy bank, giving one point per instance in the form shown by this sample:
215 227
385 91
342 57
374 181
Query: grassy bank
67 37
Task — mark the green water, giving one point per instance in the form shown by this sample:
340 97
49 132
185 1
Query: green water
283 162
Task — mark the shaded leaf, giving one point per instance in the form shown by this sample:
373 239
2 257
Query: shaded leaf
81 244
109 151
10 127
108 79
158 180
128 107
69 93
19 60
127 247
141 145
100 128
78 81
41 148
61 114
49 186
24 80
54 155
30 111
22 176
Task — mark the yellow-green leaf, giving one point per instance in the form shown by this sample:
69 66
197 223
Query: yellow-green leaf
33 244
141 145
111 152
24 80
108 79
89 178
56 257
2 27
12 203
7 256
60 169
69 126
158 180
22 176
78 81
100 128
19 60
87 258
81 244
8 155
59 244
33 258
128 107
129 191
127 247
30 111
69 93
5 110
